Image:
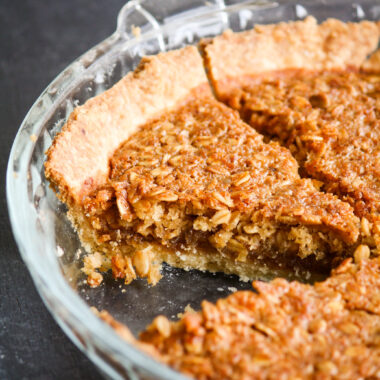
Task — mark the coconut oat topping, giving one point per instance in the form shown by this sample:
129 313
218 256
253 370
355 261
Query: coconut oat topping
330 121
204 159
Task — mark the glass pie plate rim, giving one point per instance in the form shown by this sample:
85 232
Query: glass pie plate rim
114 356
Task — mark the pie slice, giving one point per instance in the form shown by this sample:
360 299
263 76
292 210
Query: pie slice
155 169
310 87
284 330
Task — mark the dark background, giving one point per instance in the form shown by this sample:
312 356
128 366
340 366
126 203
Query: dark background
38 39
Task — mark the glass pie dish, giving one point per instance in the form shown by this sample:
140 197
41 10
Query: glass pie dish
48 243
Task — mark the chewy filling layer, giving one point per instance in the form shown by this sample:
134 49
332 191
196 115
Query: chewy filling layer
201 186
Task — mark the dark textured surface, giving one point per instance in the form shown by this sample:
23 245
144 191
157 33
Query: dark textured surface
37 40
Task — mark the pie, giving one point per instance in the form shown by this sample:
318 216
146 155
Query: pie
283 330
190 184
277 174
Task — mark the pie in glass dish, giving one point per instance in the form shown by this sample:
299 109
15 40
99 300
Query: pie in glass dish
256 155
156 169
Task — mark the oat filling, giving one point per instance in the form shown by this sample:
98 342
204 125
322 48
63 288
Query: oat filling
199 188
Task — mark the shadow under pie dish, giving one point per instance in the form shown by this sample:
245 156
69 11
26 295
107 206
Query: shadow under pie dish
179 177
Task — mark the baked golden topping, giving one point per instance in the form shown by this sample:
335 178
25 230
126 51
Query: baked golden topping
330 122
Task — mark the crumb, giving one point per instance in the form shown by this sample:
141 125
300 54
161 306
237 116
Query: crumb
78 254
136 31
60 251
33 138
94 279
189 309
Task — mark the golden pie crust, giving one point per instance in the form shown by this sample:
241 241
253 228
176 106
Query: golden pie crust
233 58
157 170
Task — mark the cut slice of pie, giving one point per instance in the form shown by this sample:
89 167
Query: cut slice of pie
310 87
155 169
